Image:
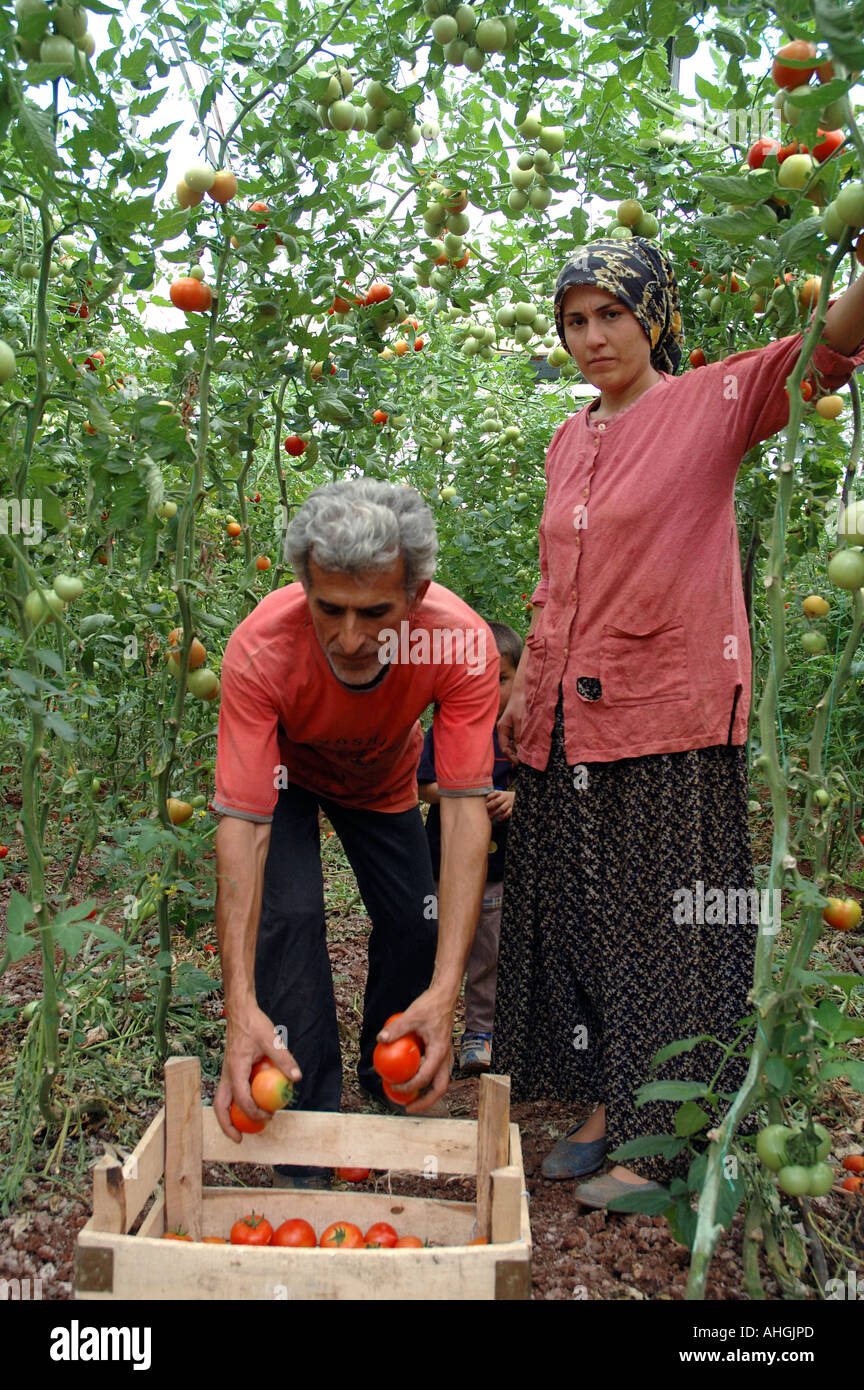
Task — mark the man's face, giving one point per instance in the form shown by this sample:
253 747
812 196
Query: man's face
349 611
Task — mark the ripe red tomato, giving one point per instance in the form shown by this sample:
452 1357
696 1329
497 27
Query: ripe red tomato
294 1232
799 50
271 1089
854 1163
295 446
260 207
381 1234
342 1235
251 1230
399 1060
233 528
353 1174
4 850
95 360
408 1243
395 1096
213 1240
380 418
853 1184
175 1235
378 292
240 1120
698 358
190 294
262 562
842 913
78 310
831 141
419 344
760 150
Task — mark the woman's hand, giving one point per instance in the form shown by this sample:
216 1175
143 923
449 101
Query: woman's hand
510 725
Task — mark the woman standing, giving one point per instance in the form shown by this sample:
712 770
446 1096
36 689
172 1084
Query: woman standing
629 715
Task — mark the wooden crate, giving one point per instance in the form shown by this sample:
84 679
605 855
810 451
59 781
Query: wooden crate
112 1264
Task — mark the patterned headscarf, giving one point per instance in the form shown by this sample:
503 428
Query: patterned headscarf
638 273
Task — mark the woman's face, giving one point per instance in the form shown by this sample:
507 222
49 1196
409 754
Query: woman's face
606 340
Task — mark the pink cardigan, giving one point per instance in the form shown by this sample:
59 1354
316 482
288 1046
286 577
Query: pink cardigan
641 578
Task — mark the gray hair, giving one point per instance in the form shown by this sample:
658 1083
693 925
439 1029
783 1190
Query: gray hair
352 527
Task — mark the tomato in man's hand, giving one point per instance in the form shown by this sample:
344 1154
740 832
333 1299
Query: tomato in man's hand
399 1060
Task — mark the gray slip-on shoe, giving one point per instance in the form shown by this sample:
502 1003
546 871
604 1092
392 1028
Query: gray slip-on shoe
570 1159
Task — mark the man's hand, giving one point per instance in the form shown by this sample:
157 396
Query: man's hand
510 725
249 1035
499 804
432 1017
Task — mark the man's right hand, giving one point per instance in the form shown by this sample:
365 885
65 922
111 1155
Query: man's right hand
249 1035
510 725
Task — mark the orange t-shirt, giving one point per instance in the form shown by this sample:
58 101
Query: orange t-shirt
286 718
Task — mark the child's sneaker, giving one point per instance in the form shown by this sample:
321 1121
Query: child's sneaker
475 1052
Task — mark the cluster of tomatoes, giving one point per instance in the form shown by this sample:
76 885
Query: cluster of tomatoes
255 1229
271 1091
397 1062
797 1155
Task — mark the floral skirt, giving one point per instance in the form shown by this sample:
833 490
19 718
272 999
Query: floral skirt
603 959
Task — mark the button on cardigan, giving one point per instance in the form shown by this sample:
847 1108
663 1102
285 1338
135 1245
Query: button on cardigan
641 584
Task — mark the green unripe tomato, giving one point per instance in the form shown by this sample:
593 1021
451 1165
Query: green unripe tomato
771 1145
540 197
825 1142
445 29
69 20
821 1179
521 177
58 50
523 332
68 587
833 225
552 138
199 178
814 641
525 313
647 226
466 18
531 126
822 797
459 222
506 316
849 204
7 362
341 115
517 201
794 1180
377 96
198 801
525 161
36 607
846 569
473 59
491 36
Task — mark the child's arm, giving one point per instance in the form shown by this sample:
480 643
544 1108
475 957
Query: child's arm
428 791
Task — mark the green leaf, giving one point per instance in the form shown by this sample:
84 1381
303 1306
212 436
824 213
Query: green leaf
19 946
778 1075
69 938
192 983
670 1090
33 134
674 1049
686 42
847 1067
690 1118
800 242
667 1145
18 913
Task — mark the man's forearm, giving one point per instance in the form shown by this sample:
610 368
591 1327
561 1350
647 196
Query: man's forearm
465 831
844 321
241 853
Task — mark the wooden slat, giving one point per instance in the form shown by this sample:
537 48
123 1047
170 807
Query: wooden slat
401 1142
143 1168
109 1206
156 1270
516 1161
183 1145
154 1222
506 1203
493 1144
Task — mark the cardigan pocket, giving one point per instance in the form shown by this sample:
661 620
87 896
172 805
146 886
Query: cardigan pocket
640 668
536 664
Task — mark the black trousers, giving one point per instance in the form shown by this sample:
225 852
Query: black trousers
389 854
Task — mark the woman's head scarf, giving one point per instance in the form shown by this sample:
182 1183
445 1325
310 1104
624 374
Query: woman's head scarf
638 273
